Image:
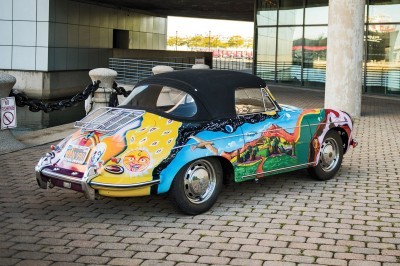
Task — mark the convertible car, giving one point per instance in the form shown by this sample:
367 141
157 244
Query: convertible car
186 132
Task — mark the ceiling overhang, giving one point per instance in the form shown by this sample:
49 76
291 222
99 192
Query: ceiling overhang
211 9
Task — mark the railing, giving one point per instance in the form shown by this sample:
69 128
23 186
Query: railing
384 77
130 71
232 63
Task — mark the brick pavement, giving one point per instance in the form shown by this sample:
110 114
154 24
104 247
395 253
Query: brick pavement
286 219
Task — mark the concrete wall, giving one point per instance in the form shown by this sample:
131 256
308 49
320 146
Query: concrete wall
50 85
54 35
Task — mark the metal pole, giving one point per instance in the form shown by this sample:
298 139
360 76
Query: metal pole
209 40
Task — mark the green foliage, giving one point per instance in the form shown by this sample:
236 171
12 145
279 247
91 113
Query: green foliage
235 41
200 41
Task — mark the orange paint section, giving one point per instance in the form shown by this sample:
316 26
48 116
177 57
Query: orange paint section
296 133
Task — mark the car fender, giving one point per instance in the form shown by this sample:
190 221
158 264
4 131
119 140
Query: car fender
202 145
329 119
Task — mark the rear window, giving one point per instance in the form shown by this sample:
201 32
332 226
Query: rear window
163 99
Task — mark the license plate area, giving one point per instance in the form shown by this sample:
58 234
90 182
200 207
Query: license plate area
76 154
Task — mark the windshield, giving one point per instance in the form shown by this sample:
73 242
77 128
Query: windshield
253 100
163 99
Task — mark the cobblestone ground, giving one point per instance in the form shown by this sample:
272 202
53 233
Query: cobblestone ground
287 219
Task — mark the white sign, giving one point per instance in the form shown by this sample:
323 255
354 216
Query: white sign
199 61
8 113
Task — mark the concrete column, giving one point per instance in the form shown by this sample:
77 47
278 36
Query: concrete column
345 55
7 139
102 95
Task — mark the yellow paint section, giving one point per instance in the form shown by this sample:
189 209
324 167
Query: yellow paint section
125 193
155 138
296 132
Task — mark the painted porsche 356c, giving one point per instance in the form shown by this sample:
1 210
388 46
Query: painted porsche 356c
186 132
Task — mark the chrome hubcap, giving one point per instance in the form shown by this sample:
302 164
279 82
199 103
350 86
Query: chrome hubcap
200 181
329 155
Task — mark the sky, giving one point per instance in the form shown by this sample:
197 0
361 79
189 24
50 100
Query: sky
192 26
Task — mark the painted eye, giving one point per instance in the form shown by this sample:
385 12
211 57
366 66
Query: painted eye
154 143
169 121
143 140
169 141
166 132
158 151
152 129
142 160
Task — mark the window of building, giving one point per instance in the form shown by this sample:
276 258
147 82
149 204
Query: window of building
383 59
266 53
291 12
315 48
294 49
121 39
267 12
290 54
316 12
382 11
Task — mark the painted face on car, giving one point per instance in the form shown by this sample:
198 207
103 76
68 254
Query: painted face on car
137 160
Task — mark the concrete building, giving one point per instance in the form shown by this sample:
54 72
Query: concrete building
50 45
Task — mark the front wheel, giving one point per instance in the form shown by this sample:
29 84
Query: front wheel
330 157
196 187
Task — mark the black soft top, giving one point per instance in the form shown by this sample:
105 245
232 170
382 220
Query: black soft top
212 89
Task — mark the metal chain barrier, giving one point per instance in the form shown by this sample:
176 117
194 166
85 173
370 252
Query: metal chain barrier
36 105
114 95
120 90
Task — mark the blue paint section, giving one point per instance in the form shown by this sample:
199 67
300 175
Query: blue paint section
191 151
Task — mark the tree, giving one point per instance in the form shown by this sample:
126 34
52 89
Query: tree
235 41
176 41
196 41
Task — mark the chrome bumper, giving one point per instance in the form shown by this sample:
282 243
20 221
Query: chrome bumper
46 177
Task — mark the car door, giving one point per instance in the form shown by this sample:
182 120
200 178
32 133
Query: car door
272 141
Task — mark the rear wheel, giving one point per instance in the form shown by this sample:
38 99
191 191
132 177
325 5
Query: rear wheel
196 187
330 157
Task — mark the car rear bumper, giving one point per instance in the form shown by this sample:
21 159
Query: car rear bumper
53 176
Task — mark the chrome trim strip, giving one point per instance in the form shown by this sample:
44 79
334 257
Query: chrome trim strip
50 173
127 186
280 169
216 139
329 123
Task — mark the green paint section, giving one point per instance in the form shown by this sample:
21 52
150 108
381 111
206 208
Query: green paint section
277 162
314 120
280 156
